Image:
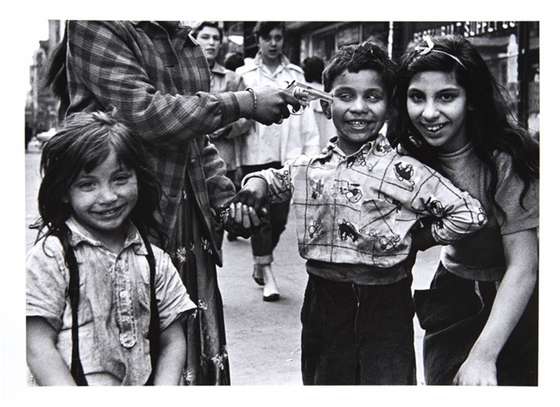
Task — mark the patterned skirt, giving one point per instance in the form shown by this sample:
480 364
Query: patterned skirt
207 359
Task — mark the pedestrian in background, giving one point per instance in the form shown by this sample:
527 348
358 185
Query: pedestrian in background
233 60
103 305
271 146
481 312
227 139
155 78
357 205
313 70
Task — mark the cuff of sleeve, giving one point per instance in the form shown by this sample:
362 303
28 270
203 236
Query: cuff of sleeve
230 107
437 237
521 226
179 315
263 260
54 321
249 176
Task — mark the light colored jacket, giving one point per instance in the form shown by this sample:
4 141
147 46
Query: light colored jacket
228 139
278 142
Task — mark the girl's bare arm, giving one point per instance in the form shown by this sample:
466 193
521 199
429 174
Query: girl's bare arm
44 360
521 253
172 355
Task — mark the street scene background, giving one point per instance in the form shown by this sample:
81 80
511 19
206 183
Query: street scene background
264 338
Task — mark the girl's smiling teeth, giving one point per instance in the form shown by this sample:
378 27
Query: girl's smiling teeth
434 128
108 212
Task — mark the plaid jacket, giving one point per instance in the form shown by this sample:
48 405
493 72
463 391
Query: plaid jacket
157 84
360 209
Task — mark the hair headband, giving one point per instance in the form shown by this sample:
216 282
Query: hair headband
422 50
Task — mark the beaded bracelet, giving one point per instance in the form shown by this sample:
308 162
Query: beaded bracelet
254 96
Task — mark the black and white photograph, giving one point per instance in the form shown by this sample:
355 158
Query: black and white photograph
280 201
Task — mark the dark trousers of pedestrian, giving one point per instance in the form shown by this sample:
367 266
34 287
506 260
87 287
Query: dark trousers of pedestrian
454 311
357 334
264 241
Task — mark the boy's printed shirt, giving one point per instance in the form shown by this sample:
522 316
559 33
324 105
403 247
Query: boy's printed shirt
360 209
114 307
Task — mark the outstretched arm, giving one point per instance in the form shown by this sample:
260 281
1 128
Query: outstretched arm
454 214
107 58
44 360
521 253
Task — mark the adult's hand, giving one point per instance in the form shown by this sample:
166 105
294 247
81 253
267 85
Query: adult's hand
271 105
253 194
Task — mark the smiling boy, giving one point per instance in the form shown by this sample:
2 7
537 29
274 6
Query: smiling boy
357 205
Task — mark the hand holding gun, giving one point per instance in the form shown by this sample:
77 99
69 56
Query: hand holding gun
305 94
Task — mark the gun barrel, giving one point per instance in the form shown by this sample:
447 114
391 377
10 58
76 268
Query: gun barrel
311 94
307 93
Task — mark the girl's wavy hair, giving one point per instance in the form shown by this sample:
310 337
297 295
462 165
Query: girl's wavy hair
355 58
490 126
82 144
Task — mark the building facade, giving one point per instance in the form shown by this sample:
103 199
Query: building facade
511 49
41 109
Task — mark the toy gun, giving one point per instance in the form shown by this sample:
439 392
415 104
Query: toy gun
305 93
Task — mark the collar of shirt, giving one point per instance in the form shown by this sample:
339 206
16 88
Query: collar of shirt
81 235
218 69
333 148
284 62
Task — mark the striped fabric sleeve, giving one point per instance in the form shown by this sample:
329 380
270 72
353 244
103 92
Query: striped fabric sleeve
110 66
220 188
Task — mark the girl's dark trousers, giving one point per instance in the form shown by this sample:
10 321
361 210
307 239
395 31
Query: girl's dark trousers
357 334
454 311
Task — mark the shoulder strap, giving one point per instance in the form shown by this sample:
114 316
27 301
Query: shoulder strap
76 368
154 331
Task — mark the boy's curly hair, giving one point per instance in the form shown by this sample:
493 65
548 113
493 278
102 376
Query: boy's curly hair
355 58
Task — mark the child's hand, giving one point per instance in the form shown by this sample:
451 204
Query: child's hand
253 194
246 211
240 219
476 372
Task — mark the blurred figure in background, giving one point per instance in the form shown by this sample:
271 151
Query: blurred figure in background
233 60
270 146
227 139
313 70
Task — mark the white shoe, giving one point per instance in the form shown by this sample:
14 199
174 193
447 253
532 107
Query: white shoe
270 290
